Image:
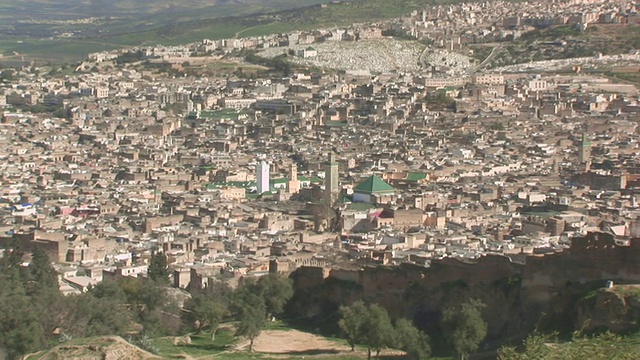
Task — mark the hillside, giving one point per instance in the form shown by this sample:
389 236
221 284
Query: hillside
68 30
56 38
45 10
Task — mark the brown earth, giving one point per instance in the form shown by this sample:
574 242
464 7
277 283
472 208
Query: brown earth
294 342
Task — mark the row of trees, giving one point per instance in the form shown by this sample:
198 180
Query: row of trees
251 305
370 326
35 315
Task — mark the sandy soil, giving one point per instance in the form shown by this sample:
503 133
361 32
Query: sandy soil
294 341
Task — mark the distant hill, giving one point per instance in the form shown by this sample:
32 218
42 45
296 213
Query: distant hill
16 10
67 30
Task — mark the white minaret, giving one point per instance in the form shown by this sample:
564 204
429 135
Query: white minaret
262 176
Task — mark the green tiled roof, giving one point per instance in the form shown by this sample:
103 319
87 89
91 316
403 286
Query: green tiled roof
312 179
360 206
331 123
220 114
373 184
416 176
344 200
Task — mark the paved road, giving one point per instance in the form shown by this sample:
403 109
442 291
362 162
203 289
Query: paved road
486 60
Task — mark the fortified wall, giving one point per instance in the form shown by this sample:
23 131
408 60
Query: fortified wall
516 294
593 258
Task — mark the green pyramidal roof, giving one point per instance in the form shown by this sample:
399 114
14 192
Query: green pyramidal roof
373 184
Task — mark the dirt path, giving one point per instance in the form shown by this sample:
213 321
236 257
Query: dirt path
297 343
293 341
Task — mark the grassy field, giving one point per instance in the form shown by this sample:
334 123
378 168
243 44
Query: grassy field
201 345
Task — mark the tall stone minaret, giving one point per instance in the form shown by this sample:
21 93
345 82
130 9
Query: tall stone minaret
331 190
294 184
584 152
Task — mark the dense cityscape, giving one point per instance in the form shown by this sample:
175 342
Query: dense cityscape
415 144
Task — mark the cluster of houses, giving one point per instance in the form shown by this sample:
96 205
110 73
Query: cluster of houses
449 27
233 177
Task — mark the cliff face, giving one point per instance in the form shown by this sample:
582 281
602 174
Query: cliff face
516 295
617 309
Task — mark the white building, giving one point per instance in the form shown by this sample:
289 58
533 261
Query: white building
262 177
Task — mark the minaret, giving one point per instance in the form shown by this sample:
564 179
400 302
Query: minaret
262 176
294 184
584 152
331 180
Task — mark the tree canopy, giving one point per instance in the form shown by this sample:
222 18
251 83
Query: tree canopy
202 311
275 290
158 267
411 340
367 325
250 314
547 347
464 327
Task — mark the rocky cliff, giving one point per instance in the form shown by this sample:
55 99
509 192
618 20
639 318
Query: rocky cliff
616 308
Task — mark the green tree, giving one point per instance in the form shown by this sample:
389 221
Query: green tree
250 314
535 347
601 346
464 327
379 332
109 289
275 291
41 270
411 340
496 125
158 267
30 302
367 325
201 311
352 322
7 75
11 263
91 316
21 331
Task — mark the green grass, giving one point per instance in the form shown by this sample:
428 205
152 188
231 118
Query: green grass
54 51
201 344
277 325
628 76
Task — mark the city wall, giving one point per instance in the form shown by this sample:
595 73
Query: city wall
516 294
